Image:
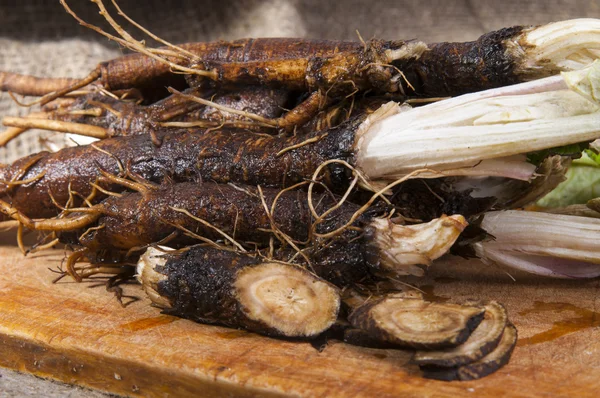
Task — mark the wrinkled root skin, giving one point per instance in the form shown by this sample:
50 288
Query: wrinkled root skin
199 285
138 219
127 117
222 156
450 69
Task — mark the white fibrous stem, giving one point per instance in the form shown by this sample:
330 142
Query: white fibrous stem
561 46
472 135
553 245
512 193
515 167
401 248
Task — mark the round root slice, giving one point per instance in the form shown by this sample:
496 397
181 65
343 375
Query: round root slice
417 323
483 340
481 368
287 299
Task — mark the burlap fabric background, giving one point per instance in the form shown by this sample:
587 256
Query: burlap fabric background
38 37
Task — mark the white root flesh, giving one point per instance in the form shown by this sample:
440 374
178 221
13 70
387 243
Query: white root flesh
401 247
564 45
287 298
149 278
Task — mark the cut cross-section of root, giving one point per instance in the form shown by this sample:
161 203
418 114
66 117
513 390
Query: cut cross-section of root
481 368
210 285
287 298
484 339
417 323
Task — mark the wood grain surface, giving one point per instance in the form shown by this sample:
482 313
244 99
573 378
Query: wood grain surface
81 335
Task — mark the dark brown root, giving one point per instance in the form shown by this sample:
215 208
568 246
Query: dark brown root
215 286
257 118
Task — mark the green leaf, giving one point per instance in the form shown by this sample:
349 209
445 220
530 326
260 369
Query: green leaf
582 184
595 157
572 150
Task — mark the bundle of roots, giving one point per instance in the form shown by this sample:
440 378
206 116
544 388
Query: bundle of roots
295 181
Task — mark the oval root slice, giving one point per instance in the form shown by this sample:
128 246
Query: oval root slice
480 343
287 299
481 368
417 323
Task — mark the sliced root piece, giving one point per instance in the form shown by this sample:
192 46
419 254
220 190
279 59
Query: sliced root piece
594 205
481 368
147 274
484 339
287 299
218 286
417 323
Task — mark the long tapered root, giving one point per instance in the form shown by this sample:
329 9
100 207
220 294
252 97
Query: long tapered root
75 85
31 85
53 224
10 134
56 125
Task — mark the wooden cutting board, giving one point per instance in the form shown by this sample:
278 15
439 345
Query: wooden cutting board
79 334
